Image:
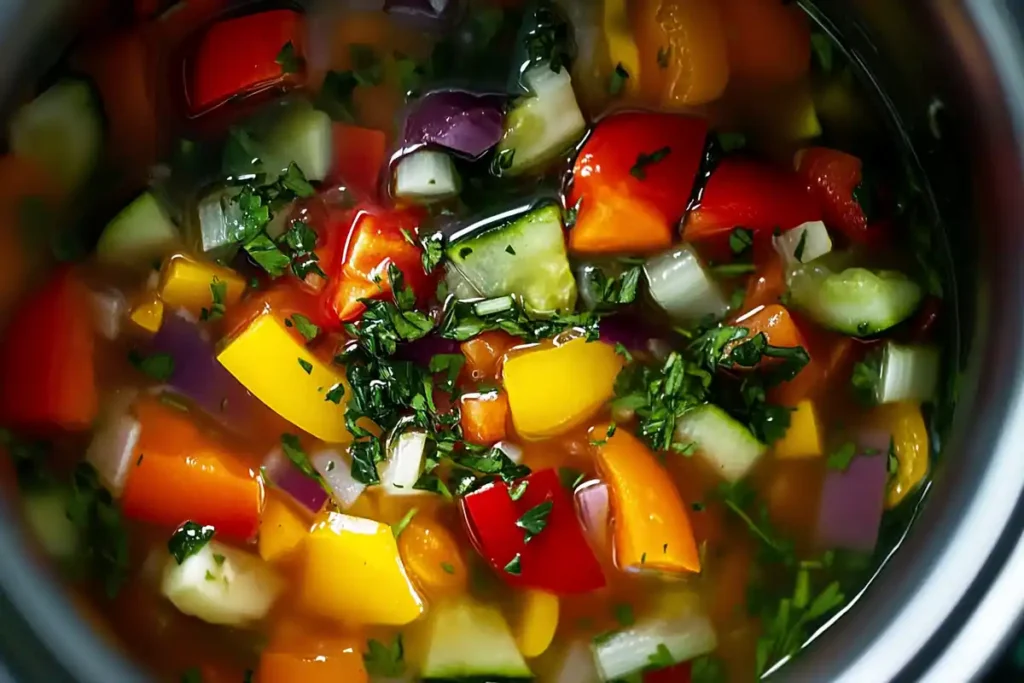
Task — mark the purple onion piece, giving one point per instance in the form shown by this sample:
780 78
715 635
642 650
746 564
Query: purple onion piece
853 500
459 121
422 350
593 508
429 9
286 476
629 331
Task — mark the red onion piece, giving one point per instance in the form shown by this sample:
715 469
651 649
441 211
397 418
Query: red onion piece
286 476
629 331
113 442
460 121
336 470
593 509
852 501
422 350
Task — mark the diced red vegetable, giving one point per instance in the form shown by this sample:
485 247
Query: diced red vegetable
47 359
749 194
833 177
358 158
238 57
557 559
679 673
633 181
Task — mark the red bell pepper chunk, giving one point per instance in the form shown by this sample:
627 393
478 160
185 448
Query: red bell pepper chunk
46 359
633 179
833 177
749 194
378 238
238 57
358 158
558 559
678 673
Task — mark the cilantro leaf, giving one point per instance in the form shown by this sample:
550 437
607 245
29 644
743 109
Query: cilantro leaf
617 81
267 255
535 519
740 240
159 366
514 566
97 516
840 458
288 59
865 378
639 169
386 661
188 540
305 326
398 527
293 451
219 293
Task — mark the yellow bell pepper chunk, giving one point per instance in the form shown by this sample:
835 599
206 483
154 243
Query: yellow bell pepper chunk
553 389
282 529
148 313
803 438
278 369
353 573
622 48
910 443
189 284
534 622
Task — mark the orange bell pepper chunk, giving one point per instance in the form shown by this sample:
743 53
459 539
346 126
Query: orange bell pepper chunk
652 527
830 354
769 42
485 352
767 284
432 558
689 37
282 528
777 325
484 416
358 158
906 424
300 654
183 474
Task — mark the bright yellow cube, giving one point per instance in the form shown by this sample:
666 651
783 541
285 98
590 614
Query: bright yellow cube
187 284
803 438
534 622
280 371
354 574
148 313
553 389
282 529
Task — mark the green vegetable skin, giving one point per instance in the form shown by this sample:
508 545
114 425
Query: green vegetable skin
535 268
856 301
141 233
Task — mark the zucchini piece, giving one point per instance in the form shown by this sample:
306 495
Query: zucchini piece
541 126
465 639
139 235
62 130
302 135
525 257
46 514
728 446
426 176
856 301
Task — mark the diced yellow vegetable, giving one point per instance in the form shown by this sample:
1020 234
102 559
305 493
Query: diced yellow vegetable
534 622
148 313
188 284
910 442
281 372
353 574
622 48
282 529
432 557
553 389
803 438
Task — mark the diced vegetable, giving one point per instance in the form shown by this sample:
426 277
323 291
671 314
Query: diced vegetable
374 588
141 234
484 416
525 257
282 529
834 178
830 356
553 389
682 287
46 359
337 473
852 504
433 558
594 509
534 622
651 526
776 324
622 48
239 56
46 515
297 653
464 639
405 463
803 243
636 170
803 439
576 664
62 130
112 449
724 443
180 473
909 373
462 122
768 284
358 158
909 445
108 309
856 301
221 585
769 42
302 136
280 472
485 354
556 559
426 176
199 286
220 219
291 381
542 125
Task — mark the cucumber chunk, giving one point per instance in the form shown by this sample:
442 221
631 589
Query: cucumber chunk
139 235
426 176
856 301
465 639
525 257
46 514
728 446
302 135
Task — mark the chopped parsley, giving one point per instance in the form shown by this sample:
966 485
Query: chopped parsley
306 366
615 291
219 294
433 251
398 527
267 255
335 393
664 55
841 457
535 519
514 566
662 658
93 511
617 81
304 325
570 478
639 169
159 366
510 250
798 253
516 492
301 240
740 240
367 67
188 540
448 567
865 378
623 613
385 661
335 96
288 59
297 455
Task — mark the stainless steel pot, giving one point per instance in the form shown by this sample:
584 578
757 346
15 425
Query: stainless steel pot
950 74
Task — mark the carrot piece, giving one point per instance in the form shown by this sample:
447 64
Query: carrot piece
768 283
298 654
182 474
282 529
775 322
358 158
600 231
432 557
485 352
769 42
484 416
829 355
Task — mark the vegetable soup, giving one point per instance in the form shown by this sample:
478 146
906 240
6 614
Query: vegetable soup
439 340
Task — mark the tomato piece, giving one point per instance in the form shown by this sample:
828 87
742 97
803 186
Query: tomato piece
636 169
557 559
678 673
769 41
358 158
833 177
768 283
750 194
238 57
46 359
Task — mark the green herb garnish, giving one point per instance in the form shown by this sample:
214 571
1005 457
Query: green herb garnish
617 81
159 366
188 540
535 519
385 661
639 169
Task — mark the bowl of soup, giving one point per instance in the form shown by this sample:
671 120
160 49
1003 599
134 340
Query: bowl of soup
507 340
